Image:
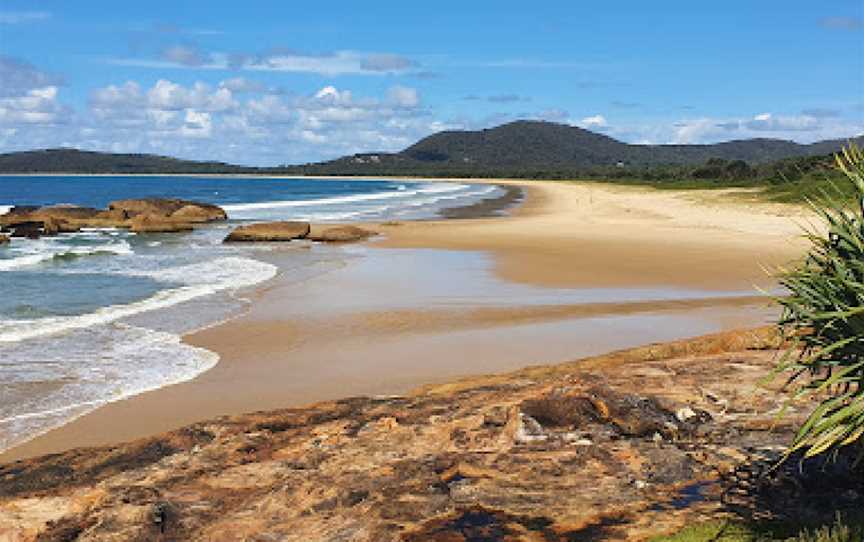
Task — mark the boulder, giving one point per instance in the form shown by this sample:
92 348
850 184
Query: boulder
29 230
200 212
341 234
147 223
269 231
55 214
4 239
197 213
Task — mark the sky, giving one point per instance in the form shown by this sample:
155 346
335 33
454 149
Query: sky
276 82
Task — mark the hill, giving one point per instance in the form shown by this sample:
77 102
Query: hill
545 149
78 161
523 149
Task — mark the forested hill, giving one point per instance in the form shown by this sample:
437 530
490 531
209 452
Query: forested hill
77 161
535 148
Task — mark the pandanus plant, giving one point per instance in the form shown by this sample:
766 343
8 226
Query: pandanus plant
823 320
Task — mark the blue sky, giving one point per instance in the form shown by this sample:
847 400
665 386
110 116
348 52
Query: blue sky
272 82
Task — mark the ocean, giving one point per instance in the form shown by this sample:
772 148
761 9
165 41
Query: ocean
97 316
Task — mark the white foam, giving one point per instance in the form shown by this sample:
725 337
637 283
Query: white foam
133 361
5 209
47 254
202 279
338 200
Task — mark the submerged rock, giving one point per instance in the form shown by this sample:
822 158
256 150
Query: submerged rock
269 232
341 234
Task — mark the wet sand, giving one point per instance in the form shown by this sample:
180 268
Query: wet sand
578 269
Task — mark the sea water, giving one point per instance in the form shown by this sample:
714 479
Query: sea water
97 316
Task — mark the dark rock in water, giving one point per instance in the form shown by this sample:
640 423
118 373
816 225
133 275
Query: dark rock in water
341 234
4 240
28 230
269 232
147 223
190 211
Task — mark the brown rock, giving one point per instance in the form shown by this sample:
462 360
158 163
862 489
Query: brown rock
117 215
341 234
200 212
4 239
158 224
65 212
269 232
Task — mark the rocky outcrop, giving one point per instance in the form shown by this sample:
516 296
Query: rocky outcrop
147 223
26 230
140 215
269 232
189 211
617 447
340 234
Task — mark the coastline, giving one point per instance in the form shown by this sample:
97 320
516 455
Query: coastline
536 246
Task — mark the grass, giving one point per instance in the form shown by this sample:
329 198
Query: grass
793 192
737 531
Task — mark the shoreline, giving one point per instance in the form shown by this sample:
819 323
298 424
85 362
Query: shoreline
281 347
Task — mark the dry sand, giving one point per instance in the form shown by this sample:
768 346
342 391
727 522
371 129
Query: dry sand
391 321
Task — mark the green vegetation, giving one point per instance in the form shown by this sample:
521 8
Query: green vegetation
738 531
75 161
823 318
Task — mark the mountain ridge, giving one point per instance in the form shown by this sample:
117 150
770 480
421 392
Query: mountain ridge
519 148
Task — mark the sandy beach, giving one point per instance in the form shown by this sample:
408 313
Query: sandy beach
577 269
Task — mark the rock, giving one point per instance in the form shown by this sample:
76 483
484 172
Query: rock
65 212
118 215
198 213
4 240
268 232
29 230
50 226
529 430
192 211
54 226
158 224
561 410
341 234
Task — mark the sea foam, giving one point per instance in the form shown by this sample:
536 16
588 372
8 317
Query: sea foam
201 279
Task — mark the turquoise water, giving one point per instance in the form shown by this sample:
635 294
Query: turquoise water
96 316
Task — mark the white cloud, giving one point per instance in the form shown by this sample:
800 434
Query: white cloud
802 128
403 96
594 122
241 84
197 124
17 17
330 64
168 95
